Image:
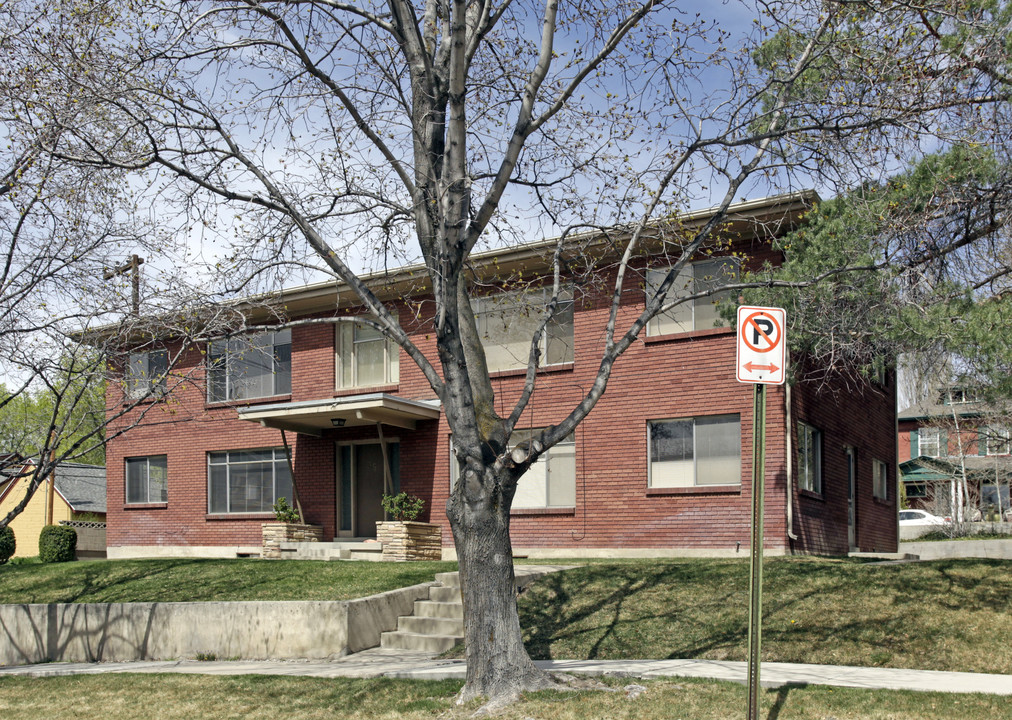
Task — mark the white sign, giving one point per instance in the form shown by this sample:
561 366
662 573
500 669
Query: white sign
761 345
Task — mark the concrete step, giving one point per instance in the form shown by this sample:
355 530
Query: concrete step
422 643
430 625
444 594
429 608
448 579
370 551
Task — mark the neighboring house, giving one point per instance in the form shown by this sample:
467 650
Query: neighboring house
661 466
80 493
951 441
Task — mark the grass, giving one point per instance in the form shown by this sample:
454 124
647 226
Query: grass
940 615
185 580
182 697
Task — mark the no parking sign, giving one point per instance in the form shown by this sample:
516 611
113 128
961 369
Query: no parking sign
761 345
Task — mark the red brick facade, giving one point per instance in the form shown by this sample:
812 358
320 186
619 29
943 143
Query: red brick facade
668 377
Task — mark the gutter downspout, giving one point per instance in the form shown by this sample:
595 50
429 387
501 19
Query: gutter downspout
789 445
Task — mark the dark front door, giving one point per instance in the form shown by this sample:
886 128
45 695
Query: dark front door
361 486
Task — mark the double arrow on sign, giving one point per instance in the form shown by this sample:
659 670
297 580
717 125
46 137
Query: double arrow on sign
752 367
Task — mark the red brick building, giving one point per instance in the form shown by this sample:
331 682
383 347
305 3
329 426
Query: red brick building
661 466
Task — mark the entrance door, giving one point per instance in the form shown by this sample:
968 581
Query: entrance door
851 499
360 485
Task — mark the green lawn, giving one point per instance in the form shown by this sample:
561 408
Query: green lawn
184 697
182 580
941 615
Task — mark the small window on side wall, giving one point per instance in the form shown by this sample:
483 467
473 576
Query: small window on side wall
145 373
147 479
880 479
809 458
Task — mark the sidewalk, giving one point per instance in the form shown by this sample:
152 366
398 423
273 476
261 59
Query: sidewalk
423 666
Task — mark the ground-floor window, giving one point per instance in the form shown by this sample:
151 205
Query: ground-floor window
809 458
880 479
695 451
247 481
549 483
147 479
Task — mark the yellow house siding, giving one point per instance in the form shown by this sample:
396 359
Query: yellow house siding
28 525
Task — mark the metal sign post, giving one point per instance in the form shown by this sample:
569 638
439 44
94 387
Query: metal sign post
755 620
760 361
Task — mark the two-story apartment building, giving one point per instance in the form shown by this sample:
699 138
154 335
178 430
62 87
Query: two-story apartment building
661 466
953 440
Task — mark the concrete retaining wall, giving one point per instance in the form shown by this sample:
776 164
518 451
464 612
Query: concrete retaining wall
944 549
111 632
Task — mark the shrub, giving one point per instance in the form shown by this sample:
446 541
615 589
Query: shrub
57 543
7 544
402 506
286 513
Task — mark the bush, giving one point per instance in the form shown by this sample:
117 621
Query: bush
57 543
7 544
403 506
286 513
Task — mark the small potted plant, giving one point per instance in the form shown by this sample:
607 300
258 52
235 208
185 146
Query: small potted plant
289 528
403 537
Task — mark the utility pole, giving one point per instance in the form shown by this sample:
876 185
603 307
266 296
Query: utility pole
132 266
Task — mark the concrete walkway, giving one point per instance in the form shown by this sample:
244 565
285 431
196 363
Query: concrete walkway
423 666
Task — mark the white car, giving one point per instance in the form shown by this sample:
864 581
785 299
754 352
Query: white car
914 518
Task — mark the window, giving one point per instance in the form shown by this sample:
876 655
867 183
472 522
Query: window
698 314
695 452
250 367
507 322
247 481
879 480
916 489
145 372
929 442
365 357
548 483
809 458
996 440
147 479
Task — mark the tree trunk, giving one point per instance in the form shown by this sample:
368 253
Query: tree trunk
498 666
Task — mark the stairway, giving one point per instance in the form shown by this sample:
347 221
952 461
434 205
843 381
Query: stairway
437 623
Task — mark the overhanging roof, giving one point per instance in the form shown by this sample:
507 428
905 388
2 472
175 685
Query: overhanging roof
312 417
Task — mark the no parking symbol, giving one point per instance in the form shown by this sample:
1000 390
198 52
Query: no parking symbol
760 357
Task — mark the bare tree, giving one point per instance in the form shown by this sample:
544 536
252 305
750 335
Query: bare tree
331 135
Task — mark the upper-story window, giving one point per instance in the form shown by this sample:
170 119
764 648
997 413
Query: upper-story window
365 357
698 314
145 372
929 442
507 323
250 367
996 440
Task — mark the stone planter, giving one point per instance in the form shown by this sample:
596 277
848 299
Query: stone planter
410 540
276 533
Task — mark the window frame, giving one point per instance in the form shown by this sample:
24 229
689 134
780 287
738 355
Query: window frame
996 435
485 307
687 285
391 357
562 450
163 496
809 452
278 459
879 479
936 441
696 422
224 354
140 379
